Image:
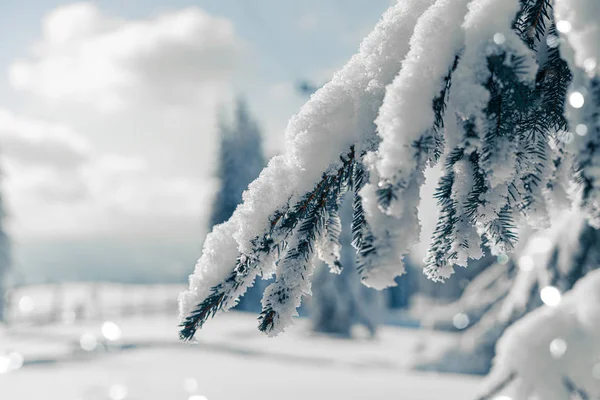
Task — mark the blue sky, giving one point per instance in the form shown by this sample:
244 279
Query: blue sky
107 113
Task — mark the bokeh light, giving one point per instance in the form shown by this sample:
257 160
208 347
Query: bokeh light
581 129
88 341
558 348
460 321
576 100
589 65
111 331
563 26
551 296
526 263
499 38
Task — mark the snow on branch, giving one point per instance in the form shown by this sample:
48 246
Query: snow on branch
487 87
338 116
283 297
409 124
551 353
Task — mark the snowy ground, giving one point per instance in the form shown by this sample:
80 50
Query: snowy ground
231 360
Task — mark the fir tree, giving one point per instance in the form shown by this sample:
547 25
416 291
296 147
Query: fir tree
476 85
240 161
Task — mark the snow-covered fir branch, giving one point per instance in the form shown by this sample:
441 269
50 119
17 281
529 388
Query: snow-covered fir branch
339 115
483 86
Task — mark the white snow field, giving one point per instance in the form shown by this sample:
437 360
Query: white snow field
231 360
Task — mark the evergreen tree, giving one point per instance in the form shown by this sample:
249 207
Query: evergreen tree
505 94
480 86
240 161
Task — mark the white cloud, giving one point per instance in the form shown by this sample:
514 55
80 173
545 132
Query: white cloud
56 185
30 142
130 149
41 159
86 56
105 195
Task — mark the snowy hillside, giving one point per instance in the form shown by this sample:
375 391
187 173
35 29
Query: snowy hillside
140 357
